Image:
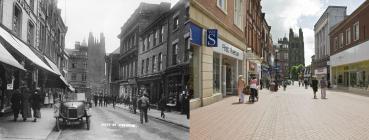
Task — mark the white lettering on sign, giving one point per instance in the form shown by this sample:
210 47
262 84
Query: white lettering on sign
227 49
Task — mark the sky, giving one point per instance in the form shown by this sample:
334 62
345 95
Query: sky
107 16
285 14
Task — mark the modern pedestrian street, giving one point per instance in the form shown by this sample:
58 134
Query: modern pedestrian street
291 114
108 123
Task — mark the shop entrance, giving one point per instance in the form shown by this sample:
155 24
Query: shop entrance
229 74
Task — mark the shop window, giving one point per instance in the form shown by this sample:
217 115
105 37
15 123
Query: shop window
216 73
17 20
30 33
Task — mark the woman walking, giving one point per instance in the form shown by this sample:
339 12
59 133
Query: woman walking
314 85
240 87
26 107
36 105
16 103
254 89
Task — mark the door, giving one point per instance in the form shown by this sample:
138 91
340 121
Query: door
224 83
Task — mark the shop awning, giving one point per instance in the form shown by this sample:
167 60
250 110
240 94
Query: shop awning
71 88
23 49
7 58
57 71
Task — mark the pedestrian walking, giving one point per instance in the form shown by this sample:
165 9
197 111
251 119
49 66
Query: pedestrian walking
35 101
134 103
95 99
106 98
162 104
306 83
240 87
100 100
114 100
254 89
314 85
144 105
299 83
284 85
26 107
16 103
323 88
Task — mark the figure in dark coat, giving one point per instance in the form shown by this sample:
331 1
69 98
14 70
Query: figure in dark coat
36 101
134 103
26 107
162 105
16 103
314 85
100 100
95 99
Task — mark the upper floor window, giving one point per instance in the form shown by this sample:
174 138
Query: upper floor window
153 64
17 20
142 66
222 4
156 35
147 65
348 36
32 4
356 31
144 44
84 77
175 58
73 65
162 33
341 40
187 49
30 33
74 76
160 61
175 22
238 13
148 41
336 43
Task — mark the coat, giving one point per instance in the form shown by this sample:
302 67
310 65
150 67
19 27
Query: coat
35 101
240 86
16 100
314 85
26 106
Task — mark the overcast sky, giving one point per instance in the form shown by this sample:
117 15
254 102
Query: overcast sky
285 14
107 16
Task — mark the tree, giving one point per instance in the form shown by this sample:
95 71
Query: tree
296 70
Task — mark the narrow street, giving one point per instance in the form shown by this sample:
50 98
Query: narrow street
291 114
127 127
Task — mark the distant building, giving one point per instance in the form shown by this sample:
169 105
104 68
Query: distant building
282 59
296 51
331 16
96 63
112 73
77 67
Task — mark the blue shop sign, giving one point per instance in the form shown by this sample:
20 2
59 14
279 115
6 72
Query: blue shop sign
212 38
196 34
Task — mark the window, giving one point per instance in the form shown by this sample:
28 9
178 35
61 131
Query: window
335 43
144 44
73 65
32 4
148 41
175 54
216 73
356 31
30 33
348 36
153 64
160 61
74 76
162 33
238 13
175 23
250 6
285 56
143 66
134 68
84 77
187 49
156 36
222 4
341 40
17 20
147 65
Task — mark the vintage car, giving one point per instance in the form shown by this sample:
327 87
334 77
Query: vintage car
72 110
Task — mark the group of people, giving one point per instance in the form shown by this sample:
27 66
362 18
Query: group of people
23 99
323 84
104 100
251 89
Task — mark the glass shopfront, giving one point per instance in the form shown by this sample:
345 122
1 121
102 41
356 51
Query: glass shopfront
353 75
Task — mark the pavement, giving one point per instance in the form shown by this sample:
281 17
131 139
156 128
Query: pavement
171 117
39 130
284 115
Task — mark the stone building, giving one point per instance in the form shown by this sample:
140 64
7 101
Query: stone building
349 60
112 73
129 67
296 51
77 67
34 33
96 63
281 59
331 16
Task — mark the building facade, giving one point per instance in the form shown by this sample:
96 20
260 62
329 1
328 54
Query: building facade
112 73
77 67
40 32
349 46
296 49
331 16
281 59
129 66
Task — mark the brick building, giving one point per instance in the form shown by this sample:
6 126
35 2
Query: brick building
349 51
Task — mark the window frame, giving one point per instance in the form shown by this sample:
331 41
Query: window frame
348 36
225 8
356 31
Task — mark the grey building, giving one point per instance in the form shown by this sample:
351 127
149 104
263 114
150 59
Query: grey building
77 67
331 16
129 46
282 59
96 63
296 49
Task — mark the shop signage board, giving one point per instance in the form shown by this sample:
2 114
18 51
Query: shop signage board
196 34
229 50
212 38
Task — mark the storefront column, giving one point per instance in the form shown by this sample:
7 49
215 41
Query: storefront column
221 74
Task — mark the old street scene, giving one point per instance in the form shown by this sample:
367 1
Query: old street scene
91 69
283 70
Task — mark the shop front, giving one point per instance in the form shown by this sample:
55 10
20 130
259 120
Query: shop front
350 69
227 66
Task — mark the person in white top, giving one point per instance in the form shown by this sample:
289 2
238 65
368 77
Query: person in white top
254 89
240 87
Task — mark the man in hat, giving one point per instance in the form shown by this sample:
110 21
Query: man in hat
143 105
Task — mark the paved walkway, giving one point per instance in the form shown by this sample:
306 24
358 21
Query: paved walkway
29 129
291 114
171 117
